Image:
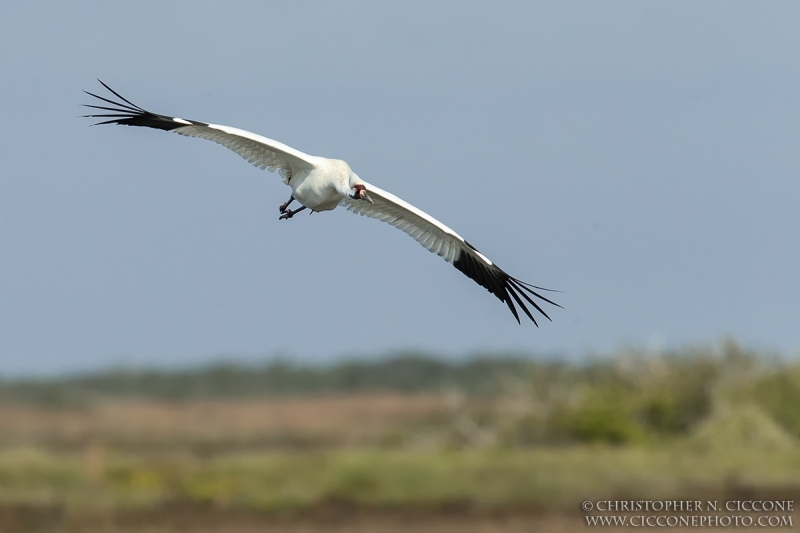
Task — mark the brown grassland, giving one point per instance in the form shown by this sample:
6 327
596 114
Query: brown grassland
439 459
301 423
368 462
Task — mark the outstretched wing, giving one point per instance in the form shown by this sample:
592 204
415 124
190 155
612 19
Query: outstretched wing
262 152
443 241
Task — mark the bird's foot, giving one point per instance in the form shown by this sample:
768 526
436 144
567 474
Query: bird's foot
283 206
288 213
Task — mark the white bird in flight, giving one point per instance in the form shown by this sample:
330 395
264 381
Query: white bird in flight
322 184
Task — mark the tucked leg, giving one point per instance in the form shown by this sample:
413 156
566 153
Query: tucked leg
288 213
282 208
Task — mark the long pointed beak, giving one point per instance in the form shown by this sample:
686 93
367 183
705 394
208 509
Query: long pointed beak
367 198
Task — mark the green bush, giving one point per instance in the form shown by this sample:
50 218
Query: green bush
778 394
598 420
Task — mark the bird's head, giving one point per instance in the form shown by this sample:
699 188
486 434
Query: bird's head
359 192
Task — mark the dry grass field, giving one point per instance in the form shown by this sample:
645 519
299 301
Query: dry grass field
299 423
368 462
438 459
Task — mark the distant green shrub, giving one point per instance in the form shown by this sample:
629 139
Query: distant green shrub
409 372
626 398
778 394
599 420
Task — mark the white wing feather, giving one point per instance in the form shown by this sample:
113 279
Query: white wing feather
261 151
423 228
446 243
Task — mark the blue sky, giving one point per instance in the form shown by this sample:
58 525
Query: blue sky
640 156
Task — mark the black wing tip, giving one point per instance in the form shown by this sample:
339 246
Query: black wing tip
529 288
516 290
120 96
126 113
505 287
537 287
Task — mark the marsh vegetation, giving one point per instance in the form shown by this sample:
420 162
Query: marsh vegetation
506 440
